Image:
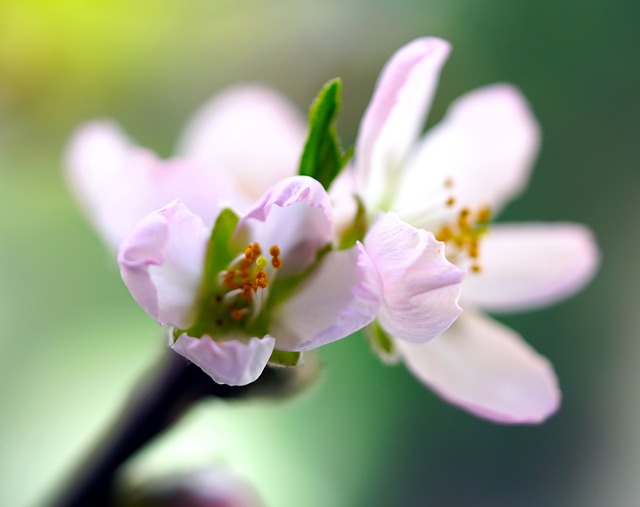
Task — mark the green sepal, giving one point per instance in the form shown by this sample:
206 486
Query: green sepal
219 250
323 158
219 255
285 358
382 343
358 228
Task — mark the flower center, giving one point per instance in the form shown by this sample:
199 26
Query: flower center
239 293
463 235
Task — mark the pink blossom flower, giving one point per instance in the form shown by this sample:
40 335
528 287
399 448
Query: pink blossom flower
452 181
265 282
217 159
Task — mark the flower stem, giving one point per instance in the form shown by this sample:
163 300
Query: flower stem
158 404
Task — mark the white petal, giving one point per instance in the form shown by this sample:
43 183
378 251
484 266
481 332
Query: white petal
250 132
486 369
120 184
294 214
162 263
232 362
396 114
421 288
531 265
95 158
345 206
341 296
485 147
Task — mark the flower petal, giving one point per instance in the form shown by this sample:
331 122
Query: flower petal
421 288
341 296
481 154
250 132
487 369
119 184
96 157
294 214
530 265
231 362
162 262
396 113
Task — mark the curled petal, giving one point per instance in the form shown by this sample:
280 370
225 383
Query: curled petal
162 262
421 288
481 154
231 362
486 369
341 296
294 214
396 113
530 265
250 132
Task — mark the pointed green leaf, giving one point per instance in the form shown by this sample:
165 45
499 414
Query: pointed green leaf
323 157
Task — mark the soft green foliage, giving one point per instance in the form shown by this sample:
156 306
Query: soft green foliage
323 157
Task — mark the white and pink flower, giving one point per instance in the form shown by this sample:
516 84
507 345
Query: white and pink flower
228 306
450 182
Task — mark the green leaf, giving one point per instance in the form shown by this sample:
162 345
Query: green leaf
323 158
219 251
285 358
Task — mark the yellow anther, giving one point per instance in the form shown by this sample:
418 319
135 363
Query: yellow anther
445 234
274 251
448 183
484 215
451 201
261 279
276 261
465 232
475 268
237 314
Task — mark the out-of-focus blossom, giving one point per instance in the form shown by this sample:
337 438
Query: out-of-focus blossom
238 145
266 282
452 181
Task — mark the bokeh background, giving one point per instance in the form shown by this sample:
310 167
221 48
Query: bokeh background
73 343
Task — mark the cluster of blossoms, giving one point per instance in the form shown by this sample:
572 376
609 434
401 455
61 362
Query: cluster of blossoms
249 261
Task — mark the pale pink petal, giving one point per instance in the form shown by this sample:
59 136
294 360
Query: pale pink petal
421 288
294 214
486 369
119 184
232 362
162 262
396 114
481 154
340 297
530 265
95 158
343 198
250 132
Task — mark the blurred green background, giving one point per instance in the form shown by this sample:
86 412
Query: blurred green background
73 342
